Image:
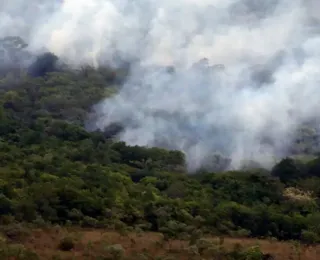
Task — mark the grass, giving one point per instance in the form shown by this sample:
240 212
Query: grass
101 244
92 244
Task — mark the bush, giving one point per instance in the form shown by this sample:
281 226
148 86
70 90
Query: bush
309 237
89 222
203 244
116 251
15 232
66 244
254 253
17 252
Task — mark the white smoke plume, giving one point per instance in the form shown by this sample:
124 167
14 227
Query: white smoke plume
248 110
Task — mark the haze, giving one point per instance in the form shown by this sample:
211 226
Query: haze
246 110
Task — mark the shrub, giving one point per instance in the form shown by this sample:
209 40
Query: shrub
254 253
15 232
116 251
309 237
66 244
18 252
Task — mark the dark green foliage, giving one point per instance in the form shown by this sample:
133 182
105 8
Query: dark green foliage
52 170
314 167
288 169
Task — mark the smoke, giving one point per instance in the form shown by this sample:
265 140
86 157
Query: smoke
247 109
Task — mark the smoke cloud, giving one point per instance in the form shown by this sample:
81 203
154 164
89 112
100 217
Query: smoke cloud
247 108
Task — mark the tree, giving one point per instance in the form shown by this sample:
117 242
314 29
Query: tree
44 63
288 169
314 167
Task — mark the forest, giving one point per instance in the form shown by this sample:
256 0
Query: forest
55 174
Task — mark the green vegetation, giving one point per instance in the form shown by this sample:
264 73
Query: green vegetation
52 171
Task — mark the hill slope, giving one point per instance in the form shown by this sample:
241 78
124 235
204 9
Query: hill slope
53 171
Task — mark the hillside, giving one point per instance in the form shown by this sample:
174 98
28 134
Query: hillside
54 172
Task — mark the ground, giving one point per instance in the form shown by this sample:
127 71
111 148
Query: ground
93 244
